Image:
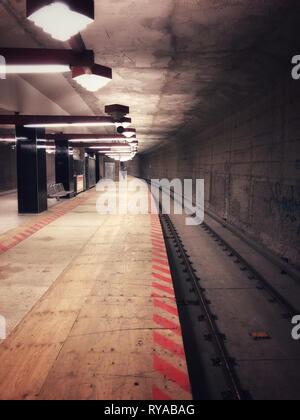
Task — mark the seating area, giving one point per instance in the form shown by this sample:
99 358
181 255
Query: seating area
57 191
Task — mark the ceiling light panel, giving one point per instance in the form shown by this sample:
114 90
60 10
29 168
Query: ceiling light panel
92 78
61 19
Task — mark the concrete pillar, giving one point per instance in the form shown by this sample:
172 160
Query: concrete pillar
64 166
97 167
31 170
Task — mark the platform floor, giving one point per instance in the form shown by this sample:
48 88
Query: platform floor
90 308
9 217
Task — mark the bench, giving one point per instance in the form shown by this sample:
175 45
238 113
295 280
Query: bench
57 191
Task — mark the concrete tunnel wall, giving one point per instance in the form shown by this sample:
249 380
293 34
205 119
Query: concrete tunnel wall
251 167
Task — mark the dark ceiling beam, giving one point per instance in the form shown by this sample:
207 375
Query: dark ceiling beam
97 144
35 56
68 136
16 119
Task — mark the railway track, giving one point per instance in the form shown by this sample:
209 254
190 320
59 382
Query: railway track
273 295
195 308
183 271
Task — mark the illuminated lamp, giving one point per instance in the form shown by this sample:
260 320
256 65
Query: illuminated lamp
92 78
129 132
62 19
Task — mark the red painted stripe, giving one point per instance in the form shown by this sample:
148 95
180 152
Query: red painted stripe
172 373
3 248
162 278
29 231
22 235
163 289
169 345
160 254
168 325
159 395
163 270
161 262
162 251
156 295
159 244
157 237
165 307
17 238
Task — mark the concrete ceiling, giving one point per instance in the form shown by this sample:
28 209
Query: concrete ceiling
178 64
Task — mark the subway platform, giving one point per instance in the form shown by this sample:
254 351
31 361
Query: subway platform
90 308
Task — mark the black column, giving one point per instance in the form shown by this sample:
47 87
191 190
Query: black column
31 170
86 170
97 168
64 166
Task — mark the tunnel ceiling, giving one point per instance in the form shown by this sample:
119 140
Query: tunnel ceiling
179 64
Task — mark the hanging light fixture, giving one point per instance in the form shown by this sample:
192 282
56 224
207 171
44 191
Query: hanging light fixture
62 19
92 78
118 113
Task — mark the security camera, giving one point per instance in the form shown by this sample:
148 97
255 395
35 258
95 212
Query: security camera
120 129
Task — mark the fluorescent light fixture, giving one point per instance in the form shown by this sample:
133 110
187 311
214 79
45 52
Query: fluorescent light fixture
65 125
87 138
57 121
7 140
108 139
112 146
43 61
92 78
114 149
122 157
36 69
61 19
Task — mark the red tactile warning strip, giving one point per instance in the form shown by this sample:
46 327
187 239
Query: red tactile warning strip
168 336
10 240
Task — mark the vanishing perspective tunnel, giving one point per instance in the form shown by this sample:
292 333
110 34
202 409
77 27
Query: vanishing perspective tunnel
150 202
